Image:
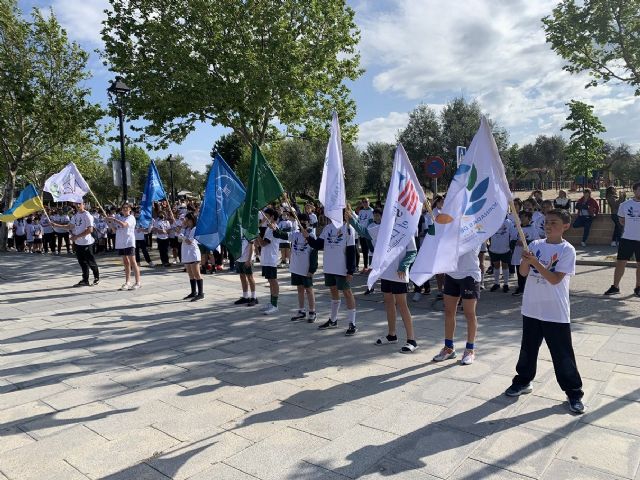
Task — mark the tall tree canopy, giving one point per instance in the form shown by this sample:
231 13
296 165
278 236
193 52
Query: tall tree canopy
601 37
249 66
585 150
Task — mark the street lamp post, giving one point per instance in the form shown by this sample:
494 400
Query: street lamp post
117 92
173 197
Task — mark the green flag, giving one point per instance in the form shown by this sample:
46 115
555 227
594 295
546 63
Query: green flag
262 189
233 236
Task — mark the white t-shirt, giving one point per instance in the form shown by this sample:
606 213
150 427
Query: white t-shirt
126 236
61 220
189 251
270 253
285 226
20 227
501 239
336 241
101 228
531 233
140 232
162 225
9 229
81 221
364 216
30 229
175 228
630 210
46 225
37 230
391 272
468 266
542 300
300 253
313 219
244 257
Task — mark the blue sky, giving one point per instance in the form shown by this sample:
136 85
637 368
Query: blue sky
426 51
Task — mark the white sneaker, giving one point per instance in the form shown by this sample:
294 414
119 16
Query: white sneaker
151 264
468 357
135 286
416 297
271 310
125 286
583 244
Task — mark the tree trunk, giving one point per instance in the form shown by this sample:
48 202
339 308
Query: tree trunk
9 187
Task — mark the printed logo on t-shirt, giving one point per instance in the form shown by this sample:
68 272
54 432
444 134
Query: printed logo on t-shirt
631 213
551 266
335 240
299 246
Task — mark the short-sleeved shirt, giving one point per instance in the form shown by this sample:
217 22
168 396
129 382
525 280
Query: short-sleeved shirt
81 221
60 220
126 235
336 241
365 215
500 241
189 252
542 300
30 230
468 266
162 225
300 253
531 232
46 225
244 256
270 253
20 227
630 211
391 272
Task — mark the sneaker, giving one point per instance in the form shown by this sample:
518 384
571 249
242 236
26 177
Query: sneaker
199 296
135 286
151 264
241 301
416 297
270 310
328 324
369 292
468 357
517 293
252 302
505 288
445 354
613 290
576 405
191 295
440 296
311 317
351 330
614 244
583 244
96 281
125 286
482 287
82 283
636 291
489 270
494 287
517 390
299 316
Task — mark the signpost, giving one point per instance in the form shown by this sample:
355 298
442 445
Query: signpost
434 168
460 153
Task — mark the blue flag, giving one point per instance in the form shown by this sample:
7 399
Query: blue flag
222 197
153 191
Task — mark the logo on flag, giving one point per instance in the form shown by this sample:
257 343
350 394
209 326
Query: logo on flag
408 197
67 185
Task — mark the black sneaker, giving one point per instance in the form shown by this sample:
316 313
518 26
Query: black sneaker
613 290
191 295
489 271
576 405
252 302
199 296
517 293
495 287
82 283
96 281
328 324
299 316
369 292
311 317
505 288
517 390
637 291
440 296
241 301
351 330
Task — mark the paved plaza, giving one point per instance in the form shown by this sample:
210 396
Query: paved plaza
101 384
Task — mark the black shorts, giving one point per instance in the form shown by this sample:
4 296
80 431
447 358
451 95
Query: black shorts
37 241
500 257
467 287
262 231
628 248
301 280
126 252
270 272
174 242
242 268
397 288
285 245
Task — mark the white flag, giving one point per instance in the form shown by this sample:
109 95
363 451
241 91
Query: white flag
474 209
67 186
403 208
332 193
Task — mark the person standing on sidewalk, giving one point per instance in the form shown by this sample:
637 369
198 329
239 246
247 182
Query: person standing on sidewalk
49 236
614 205
365 217
81 226
587 209
629 246
125 227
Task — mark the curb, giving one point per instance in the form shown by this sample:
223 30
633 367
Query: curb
602 263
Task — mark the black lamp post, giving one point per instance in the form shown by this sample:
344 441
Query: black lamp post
117 91
173 197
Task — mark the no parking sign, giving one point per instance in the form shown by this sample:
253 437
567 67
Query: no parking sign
434 167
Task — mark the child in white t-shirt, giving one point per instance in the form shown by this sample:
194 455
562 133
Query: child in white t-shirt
286 225
37 235
29 229
190 254
125 242
500 254
244 269
531 233
546 311
269 249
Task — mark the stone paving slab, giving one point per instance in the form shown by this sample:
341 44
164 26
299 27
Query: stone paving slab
123 385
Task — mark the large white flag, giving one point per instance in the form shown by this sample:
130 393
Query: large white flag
402 211
67 185
332 193
474 208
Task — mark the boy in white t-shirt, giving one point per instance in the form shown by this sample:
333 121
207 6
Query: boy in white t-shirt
269 251
531 233
629 245
546 311
29 230
500 254
244 269
37 235
339 247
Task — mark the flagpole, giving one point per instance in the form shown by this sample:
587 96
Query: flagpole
516 217
96 199
293 210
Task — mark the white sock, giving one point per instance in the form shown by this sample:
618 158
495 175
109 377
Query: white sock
335 307
496 275
253 294
245 294
351 316
505 276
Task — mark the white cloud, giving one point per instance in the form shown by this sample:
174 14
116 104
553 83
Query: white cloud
431 50
199 160
382 129
82 19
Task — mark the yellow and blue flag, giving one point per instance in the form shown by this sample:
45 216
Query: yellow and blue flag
28 202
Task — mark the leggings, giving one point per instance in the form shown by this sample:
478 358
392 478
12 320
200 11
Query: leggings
63 236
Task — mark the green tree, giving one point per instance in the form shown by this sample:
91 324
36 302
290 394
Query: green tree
513 164
379 163
43 101
243 65
623 163
585 149
184 177
601 37
229 146
422 137
551 155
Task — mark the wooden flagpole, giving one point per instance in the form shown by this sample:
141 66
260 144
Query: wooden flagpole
516 215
